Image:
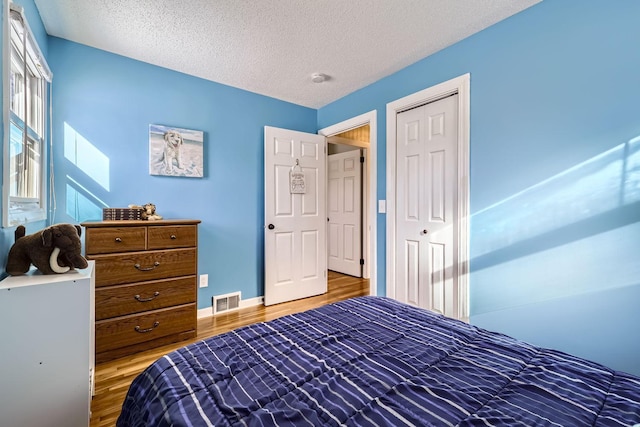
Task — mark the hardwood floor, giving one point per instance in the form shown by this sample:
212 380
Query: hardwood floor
113 378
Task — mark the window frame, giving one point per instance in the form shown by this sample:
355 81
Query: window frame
18 209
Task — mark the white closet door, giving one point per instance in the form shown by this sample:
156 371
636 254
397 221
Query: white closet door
426 205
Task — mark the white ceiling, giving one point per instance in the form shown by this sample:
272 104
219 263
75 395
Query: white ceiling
272 47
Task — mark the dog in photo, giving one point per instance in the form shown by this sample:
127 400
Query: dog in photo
172 150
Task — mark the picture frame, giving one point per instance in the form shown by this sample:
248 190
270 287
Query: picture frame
175 151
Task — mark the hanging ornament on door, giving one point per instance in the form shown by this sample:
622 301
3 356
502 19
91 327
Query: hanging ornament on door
296 179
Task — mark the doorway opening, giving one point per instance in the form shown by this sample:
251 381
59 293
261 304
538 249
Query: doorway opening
346 180
359 133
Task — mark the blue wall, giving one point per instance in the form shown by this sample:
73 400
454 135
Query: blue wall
103 105
555 172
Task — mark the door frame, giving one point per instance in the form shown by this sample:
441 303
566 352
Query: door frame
461 86
370 222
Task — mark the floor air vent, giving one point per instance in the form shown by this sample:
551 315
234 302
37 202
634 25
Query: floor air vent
227 302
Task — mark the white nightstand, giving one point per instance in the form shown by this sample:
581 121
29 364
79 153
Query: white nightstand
47 353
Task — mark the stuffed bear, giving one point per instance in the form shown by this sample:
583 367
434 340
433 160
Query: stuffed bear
55 249
148 211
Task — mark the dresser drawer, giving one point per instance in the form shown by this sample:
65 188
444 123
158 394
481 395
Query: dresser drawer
144 266
112 301
115 239
177 236
147 326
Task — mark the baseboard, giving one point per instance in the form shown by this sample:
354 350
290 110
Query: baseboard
251 302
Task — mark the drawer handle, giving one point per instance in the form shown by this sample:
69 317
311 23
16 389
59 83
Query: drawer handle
155 264
119 240
144 331
173 237
155 295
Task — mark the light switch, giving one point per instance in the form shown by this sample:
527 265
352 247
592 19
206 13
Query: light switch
204 280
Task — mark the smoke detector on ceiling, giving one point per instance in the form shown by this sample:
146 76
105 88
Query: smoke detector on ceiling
319 77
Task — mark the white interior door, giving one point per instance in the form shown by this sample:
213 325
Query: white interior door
426 206
344 205
295 223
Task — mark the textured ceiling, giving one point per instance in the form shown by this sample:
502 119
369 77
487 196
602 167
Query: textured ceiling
272 47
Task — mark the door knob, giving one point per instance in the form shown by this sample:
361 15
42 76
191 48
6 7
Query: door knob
425 231
271 226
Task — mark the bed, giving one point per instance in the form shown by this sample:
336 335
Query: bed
372 361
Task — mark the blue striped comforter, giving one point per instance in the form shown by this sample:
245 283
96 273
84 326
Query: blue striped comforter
372 361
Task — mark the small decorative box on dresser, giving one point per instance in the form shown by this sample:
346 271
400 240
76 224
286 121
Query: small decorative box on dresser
146 283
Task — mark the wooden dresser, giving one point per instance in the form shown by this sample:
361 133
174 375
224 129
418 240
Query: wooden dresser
146 283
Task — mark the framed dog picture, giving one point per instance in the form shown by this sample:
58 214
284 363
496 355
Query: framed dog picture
175 151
